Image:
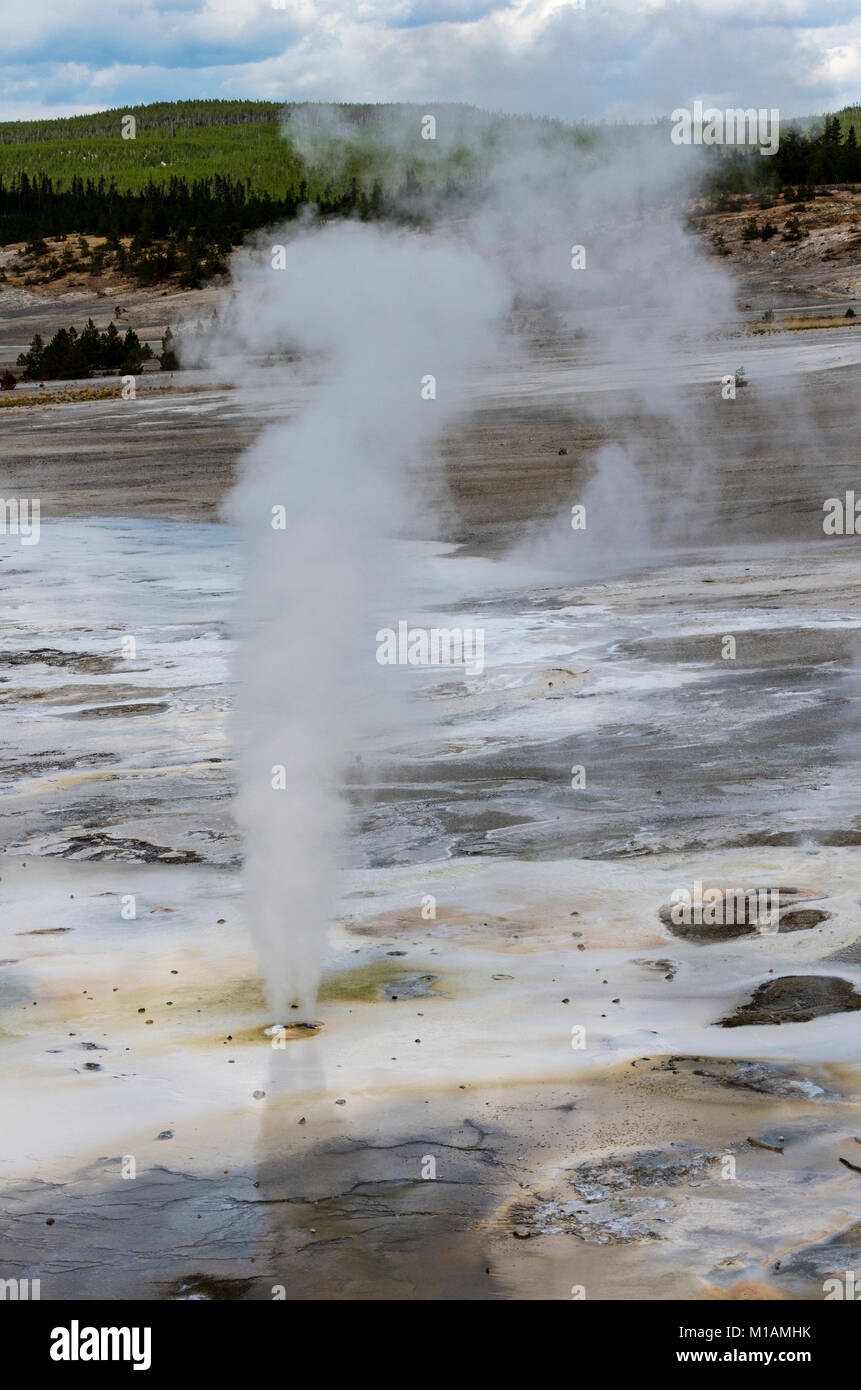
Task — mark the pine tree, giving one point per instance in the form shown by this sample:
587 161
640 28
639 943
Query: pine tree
32 361
167 358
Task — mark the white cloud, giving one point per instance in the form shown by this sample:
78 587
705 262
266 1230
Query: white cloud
602 58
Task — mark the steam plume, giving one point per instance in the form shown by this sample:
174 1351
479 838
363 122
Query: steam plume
382 309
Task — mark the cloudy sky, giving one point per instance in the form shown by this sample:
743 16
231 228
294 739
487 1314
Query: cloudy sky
575 59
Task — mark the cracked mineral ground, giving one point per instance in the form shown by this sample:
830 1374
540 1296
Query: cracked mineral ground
440 1131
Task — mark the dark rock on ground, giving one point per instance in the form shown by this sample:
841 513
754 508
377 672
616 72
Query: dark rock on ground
621 1197
827 1259
747 916
802 918
763 1078
795 999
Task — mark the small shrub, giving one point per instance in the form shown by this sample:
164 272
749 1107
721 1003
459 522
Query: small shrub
792 231
750 231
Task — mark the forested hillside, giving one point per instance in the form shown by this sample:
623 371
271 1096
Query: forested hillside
198 176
